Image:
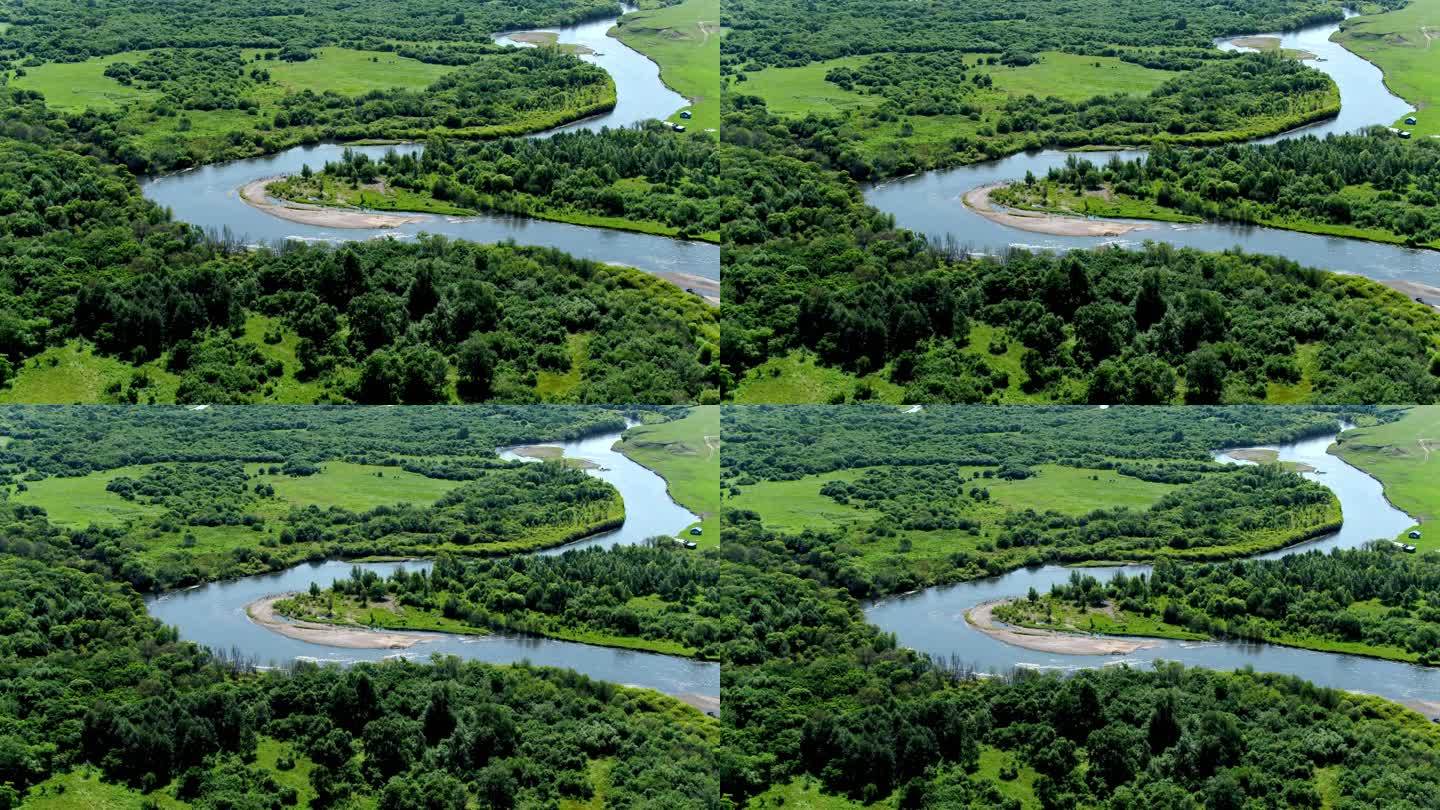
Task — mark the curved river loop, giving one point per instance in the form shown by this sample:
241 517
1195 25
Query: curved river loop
930 203
933 620
215 614
209 196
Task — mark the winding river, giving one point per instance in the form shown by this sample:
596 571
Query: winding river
209 197
214 614
930 203
933 620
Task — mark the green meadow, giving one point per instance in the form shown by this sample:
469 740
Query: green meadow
1401 43
686 453
799 91
684 40
1405 457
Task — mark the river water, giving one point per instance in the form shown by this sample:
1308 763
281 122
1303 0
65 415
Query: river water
214 614
209 197
933 620
930 203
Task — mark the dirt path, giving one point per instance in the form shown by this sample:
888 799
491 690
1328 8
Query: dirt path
978 200
705 703
254 194
262 612
982 618
712 442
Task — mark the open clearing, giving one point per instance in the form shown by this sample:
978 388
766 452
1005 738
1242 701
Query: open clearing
1401 44
978 200
684 41
1405 457
683 453
981 618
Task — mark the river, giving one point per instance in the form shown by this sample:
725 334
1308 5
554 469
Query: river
933 620
209 197
214 614
930 203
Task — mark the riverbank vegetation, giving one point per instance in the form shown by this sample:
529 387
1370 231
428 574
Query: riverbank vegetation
811 270
1373 602
94 269
646 179
686 453
169 497
661 598
889 501
1373 186
829 711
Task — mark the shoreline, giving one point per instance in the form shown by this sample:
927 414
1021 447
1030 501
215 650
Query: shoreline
981 617
978 200
262 612
256 195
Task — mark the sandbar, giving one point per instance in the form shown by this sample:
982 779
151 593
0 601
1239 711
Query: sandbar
978 200
262 612
981 617
255 195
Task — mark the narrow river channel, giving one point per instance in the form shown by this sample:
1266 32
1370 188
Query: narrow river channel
930 203
933 620
209 196
214 614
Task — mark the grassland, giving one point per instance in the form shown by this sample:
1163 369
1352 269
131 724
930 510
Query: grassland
800 91
792 506
1402 44
1405 457
686 453
684 40
77 502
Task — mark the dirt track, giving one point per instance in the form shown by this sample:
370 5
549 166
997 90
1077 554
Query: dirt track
254 195
981 617
1413 289
262 612
978 200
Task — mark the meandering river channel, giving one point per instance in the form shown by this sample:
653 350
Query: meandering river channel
215 615
930 203
209 196
933 620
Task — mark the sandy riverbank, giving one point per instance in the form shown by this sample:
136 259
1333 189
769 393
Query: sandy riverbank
548 39
1265 455
254 194
548 453
706 288
262 612
1427 294
982 618
978 200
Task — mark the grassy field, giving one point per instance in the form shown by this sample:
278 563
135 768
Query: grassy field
791 506
799 91
684 40
1402 44
686 453
1405 457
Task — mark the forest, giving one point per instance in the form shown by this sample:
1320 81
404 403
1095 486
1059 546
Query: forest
169 497
659 597
646 178
86 258
1372 186
1375 601
91 680
886 502
831 701
811 269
